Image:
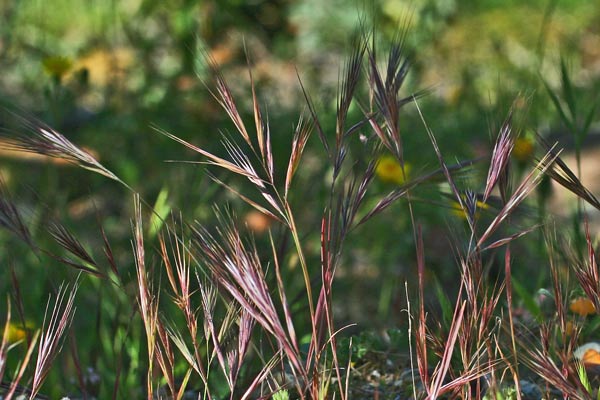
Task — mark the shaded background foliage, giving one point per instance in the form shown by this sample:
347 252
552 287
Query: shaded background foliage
104 73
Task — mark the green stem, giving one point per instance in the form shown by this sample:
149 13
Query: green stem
294 231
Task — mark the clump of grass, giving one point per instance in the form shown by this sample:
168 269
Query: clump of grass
239 306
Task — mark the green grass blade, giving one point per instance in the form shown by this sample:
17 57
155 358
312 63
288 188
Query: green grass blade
567 88
161 211
558 106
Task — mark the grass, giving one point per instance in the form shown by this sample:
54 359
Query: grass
213 306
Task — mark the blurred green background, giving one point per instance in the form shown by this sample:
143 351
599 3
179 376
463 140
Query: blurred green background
104 73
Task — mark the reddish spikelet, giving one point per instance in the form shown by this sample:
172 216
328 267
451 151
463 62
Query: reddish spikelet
214 160
586 271
147 305
246 325
301 135
237 267
558 170
259 124
479 326
158 350
166 358
348 87
386 94
225 99
421 334
521 192
263 133
323 314
280 216
53 331
108 253
349 204
74 264
10 218
545 367
67 241
507 240
402 191
500 156
552 359
287 313
437 386
180 281
42 139
470 332
241 164
221 340
240 159
264 373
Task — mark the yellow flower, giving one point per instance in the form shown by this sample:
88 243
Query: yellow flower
582 306
457 210
18 332
57 66
388 169
569 328
523 149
